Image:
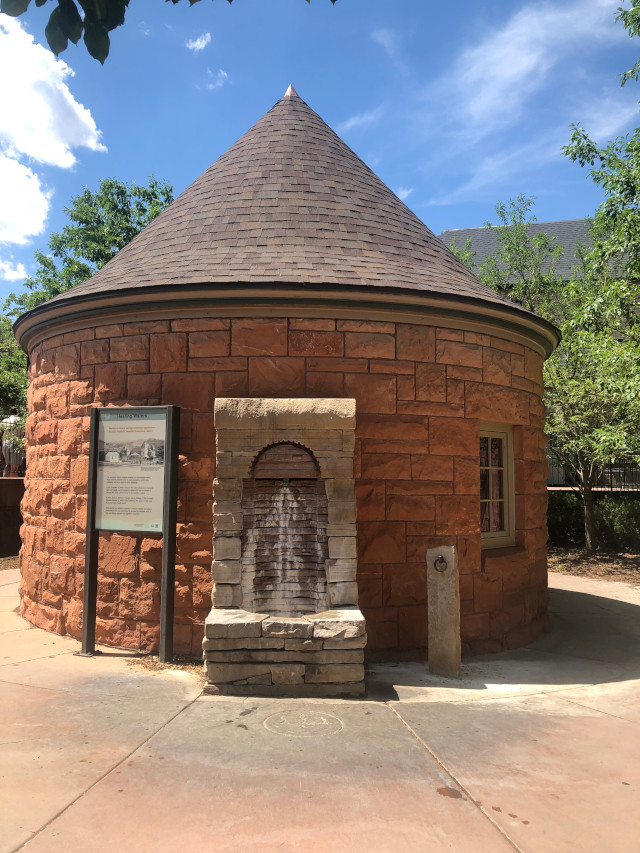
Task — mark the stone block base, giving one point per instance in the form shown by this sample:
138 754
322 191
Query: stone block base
321 654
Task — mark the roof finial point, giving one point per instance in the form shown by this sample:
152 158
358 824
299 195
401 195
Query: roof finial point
290 91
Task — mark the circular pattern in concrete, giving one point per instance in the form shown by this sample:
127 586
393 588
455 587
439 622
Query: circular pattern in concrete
303 723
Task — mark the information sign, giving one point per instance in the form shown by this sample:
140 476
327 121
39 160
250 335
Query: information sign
130 471
132 488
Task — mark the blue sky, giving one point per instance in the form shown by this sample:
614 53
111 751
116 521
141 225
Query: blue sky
455 106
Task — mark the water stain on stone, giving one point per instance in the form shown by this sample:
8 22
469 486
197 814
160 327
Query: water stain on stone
449 792
525 822
512 815
248 711
496 808
242 726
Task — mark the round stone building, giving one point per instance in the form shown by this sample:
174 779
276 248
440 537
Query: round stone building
314 333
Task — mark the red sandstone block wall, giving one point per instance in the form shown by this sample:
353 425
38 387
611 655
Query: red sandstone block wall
420 393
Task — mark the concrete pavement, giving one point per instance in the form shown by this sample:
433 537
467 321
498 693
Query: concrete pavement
536 750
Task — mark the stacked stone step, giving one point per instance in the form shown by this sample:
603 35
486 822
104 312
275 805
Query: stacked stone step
320 654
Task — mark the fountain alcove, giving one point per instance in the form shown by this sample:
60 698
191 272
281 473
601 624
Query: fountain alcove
288 299
284 538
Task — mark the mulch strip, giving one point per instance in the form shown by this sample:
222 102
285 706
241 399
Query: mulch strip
604 565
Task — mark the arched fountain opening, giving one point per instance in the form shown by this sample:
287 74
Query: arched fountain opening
284 537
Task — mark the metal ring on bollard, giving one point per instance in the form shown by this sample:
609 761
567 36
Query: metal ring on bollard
440 564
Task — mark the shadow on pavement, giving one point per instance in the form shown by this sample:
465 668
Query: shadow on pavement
593 640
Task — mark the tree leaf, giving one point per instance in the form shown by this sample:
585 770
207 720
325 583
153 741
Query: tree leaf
70 20
113 14
54 32
14 7
96 38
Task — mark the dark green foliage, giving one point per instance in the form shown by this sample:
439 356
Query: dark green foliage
101 223
67 24
630 19
13 371
565 519
617 520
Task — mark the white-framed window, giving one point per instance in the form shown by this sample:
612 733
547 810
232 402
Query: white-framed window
496 486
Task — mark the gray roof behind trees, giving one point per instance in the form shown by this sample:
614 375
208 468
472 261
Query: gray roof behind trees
568 233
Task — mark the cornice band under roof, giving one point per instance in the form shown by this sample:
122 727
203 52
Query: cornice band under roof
281 300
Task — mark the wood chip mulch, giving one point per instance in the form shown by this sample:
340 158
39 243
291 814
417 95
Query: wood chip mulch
604 565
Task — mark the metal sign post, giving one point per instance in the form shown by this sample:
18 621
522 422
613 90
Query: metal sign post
132 488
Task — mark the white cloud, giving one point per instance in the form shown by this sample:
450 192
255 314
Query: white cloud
41 122
24 205
12 272
489 84
390 43
607 116
604 117
196 45
404 192
360 120
388 40
216 81
39 117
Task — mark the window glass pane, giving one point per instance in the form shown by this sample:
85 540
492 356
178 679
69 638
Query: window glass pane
497 516
484 517
497 488
484 483
484 451
496 452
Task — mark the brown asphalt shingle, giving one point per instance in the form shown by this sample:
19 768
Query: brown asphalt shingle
288 203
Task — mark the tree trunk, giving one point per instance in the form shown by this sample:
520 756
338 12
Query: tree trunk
589 522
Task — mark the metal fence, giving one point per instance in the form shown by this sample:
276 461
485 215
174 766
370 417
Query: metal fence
621 475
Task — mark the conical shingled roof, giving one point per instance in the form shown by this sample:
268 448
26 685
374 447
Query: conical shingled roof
290 202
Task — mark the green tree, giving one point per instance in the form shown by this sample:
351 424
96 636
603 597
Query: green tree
592 380
523 267
616 168
101 223
70 20
13 370
630 19
465 254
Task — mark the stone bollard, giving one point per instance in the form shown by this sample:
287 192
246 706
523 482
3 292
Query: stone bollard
443 592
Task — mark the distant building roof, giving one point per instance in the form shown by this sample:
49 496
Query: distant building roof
568 233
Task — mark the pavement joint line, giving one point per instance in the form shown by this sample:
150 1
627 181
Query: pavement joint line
104 776
599 710
31 660
455 780
36 686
